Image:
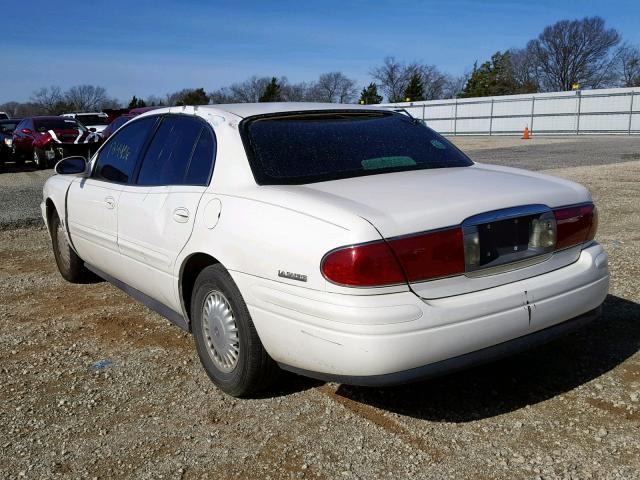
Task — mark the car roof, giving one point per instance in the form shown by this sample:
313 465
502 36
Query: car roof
250 109
10 120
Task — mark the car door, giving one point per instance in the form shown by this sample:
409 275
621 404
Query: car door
92 203
157 212
23 137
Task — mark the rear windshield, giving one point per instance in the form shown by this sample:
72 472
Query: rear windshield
312 147
42 125
91 120
8 127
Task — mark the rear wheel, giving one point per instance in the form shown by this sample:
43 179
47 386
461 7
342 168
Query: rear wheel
70 265
39 158
226 339
17 157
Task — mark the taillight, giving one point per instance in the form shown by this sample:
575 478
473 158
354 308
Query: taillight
575 225
431 255
413 258
44 139
366 265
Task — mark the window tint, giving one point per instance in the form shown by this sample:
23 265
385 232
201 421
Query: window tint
177 145
318 146
201 160
61 123
118 157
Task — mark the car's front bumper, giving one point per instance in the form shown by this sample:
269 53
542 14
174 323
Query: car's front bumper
393 338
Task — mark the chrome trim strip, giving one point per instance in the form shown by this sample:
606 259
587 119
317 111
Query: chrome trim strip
505 214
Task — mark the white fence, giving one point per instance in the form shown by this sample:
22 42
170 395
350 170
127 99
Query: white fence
608 111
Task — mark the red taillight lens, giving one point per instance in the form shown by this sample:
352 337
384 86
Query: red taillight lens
575 225
431 255
367 265
414 258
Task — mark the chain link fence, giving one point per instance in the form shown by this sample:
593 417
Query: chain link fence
607 111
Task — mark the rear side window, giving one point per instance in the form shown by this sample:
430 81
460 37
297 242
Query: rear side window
117 159
316 146
181 153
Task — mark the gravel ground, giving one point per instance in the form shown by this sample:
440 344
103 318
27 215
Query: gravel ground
540 153
94 385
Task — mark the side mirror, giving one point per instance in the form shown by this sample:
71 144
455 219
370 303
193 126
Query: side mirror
71 166
26 131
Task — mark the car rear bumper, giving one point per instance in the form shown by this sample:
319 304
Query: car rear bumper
460 362
394 338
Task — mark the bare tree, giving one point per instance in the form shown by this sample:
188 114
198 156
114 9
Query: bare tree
48 100
333 87
577 51
629 66
294 92
20 110
434 81
83 98
522 63
153 101
455 85
250 90
392 77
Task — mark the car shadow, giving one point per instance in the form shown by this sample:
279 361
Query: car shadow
11 166
515 382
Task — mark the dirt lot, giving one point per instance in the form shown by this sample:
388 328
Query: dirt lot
92 384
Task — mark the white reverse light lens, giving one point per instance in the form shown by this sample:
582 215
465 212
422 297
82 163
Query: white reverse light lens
471 249
543 233
8 142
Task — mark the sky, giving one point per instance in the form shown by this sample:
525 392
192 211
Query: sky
143 47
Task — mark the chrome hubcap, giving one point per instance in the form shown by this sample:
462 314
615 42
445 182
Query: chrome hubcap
220 331
63 248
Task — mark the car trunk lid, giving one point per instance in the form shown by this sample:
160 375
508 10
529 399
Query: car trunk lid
497 204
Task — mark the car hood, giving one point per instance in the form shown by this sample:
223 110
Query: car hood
414 201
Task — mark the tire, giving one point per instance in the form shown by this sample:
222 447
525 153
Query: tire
17 157
70 265
223 329
39 158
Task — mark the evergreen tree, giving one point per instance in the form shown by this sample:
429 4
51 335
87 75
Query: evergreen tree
137 102
196 96
369 95
414 92
271 92
495 77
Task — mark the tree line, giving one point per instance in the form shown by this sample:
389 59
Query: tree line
567 55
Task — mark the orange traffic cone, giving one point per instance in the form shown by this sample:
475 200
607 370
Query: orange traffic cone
525 134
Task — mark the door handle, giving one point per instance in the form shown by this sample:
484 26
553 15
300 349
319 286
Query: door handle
110 203
181 215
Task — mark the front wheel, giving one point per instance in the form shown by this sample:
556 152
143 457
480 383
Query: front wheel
226 339
39 158
70 265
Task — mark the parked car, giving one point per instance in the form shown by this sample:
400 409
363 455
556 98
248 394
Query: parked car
94 121
46 139
122 119
3 116
346 243
6 139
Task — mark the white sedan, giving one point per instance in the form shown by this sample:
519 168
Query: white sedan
345 243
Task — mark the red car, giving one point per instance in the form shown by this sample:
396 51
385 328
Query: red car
46 140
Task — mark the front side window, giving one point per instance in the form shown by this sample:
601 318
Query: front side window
316 146
181 153
117 158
